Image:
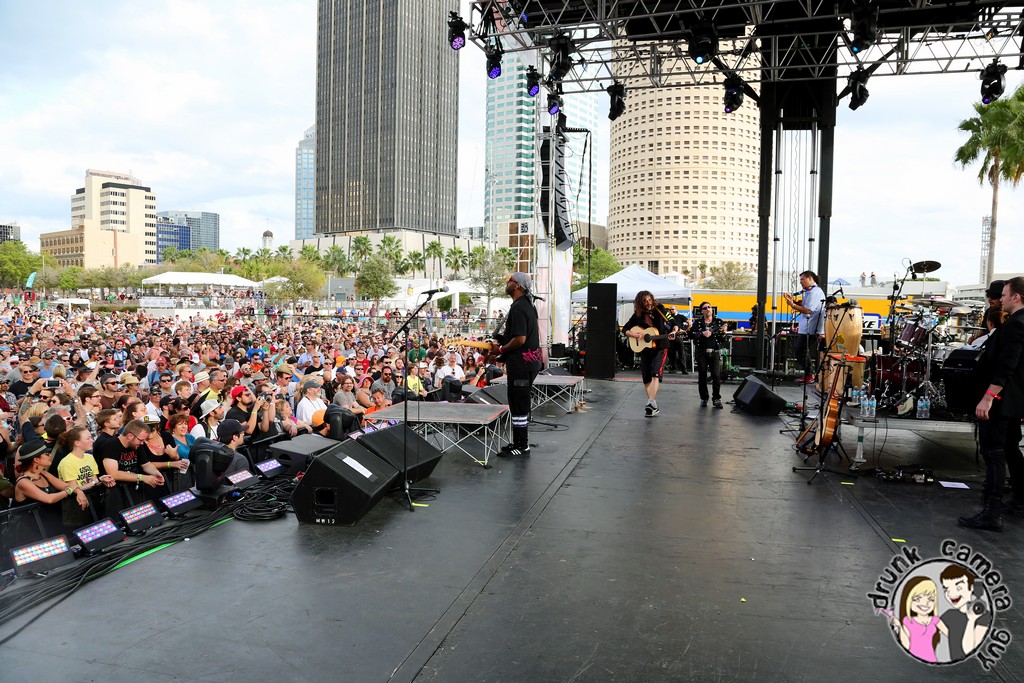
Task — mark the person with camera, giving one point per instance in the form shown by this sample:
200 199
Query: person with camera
255 414
310 400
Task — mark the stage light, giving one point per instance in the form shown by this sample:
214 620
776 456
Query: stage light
140 517
561 58
703 43
857 84
243 479
993 82
270 468
554 104
456 31
42 556
493 62
180 503
532 82
617 94
98 536
733 98
864 25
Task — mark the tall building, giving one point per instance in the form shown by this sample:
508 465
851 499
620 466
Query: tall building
205 227
387 97
683 181
113 223
10 232
172 233
305 177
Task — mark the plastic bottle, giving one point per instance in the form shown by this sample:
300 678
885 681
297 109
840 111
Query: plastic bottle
920 407
927 408
872 407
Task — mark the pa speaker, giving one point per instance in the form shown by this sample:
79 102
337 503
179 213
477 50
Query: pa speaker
601 354
342 485
494 395
601 306
754 397
296 454
389 444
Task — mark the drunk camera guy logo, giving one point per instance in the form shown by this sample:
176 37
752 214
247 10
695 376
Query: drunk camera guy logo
944 610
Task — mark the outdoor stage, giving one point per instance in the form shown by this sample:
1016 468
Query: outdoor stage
625 549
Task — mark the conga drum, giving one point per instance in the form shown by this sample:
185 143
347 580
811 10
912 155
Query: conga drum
844 326
833 364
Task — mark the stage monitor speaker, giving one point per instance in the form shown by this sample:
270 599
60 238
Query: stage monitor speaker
754 397
296 454
558 351
387 444
495 395
342 485
601 355
556 371
601 307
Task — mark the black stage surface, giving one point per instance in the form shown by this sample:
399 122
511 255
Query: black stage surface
676 548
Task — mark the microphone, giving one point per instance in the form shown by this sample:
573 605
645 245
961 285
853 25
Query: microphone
431 292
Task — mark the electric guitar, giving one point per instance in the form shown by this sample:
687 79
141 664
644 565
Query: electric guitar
650 335
490 348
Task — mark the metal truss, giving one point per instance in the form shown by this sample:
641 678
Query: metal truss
644 43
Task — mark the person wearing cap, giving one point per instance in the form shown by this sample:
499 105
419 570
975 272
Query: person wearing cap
231 433
519 346
283 381
254 413
310 400
215 390
211 412
48 365
993 295
319 424
36 484
130 384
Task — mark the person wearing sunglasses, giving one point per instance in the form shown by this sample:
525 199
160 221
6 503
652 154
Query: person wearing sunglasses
708 335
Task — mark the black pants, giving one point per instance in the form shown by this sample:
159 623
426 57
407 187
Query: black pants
519 383
804 350
999 442
709 361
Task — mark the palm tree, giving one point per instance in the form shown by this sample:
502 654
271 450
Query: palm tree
361 248
478 256
994 136
506 257
456 259
417 261
284 253
224 254
243 254
435 250
335 260
391 249
264 255
311 254
403 265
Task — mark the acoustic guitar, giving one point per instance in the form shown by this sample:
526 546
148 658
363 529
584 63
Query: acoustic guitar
832 411
650 335
490 349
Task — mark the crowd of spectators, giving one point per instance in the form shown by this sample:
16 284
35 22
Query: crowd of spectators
113 403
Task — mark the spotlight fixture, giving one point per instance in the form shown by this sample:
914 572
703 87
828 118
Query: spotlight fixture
733 98
456 31
703 43
561 58
532 82
493 62
554 104
42 556
98 536
617 93
993 82
858 87
864 25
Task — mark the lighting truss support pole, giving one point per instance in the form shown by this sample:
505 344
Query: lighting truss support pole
769 119
828 140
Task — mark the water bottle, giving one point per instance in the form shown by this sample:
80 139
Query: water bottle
864 407
920 407
872 406
927 408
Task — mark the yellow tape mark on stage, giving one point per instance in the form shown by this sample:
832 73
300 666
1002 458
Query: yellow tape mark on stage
898 540
847 483
420 505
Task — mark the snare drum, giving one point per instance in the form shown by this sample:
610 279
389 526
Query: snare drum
912 336
844 326
889 371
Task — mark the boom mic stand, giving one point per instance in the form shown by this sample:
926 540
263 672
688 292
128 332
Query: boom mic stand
407 489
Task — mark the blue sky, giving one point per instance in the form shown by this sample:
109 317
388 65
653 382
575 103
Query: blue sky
205 102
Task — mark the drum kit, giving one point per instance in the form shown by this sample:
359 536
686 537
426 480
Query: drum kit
922 334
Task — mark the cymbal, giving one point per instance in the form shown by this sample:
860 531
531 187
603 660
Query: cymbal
961 310
926 266
973 303
935 303
907 309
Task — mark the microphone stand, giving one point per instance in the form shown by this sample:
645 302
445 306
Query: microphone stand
407 489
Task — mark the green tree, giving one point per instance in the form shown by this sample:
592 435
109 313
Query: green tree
17 263
445 303
304 280
602 265
376 280
243 254
310 253
435 250
478 256
361 248
730 275
391 249
337 261
996 136
171 254
456 259
490 279
417 262
284 253
507 258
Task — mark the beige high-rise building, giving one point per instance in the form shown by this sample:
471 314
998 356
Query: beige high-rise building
684 181
113 224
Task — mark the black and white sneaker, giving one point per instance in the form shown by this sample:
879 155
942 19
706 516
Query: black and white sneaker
511 451
653 411
718 404
648 410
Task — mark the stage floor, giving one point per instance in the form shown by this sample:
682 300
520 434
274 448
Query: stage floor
676 548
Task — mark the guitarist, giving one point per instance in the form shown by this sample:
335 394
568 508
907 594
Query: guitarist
646 314
708 335
519 346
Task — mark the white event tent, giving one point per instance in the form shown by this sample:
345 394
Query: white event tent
186 279
636 278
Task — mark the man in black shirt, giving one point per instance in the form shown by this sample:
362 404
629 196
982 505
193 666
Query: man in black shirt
255 414
123 459
519 346
708 335
29 374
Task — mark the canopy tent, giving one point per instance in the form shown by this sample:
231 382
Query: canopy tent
271 281
185 279
635 279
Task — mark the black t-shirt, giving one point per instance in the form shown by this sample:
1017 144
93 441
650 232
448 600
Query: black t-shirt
128 459
956 622
19 388
237 413
522 322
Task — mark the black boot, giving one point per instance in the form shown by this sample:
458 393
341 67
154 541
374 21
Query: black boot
989 519
520 443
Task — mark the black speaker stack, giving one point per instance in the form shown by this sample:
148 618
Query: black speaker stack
602 330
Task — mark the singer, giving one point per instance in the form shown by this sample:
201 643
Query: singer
811 323
520 351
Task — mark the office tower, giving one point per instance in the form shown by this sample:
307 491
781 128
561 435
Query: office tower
205 227
305 177
113 223
386 116
171 233
684 181
10 232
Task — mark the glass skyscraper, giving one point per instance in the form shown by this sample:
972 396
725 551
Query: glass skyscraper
172 232
204 224
386 116
305 177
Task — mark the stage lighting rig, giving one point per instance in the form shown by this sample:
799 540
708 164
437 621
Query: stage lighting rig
703 43
733 98
532 81
857 85
456 31
561 57
864 26
617 94
554 103
993 82
493 61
